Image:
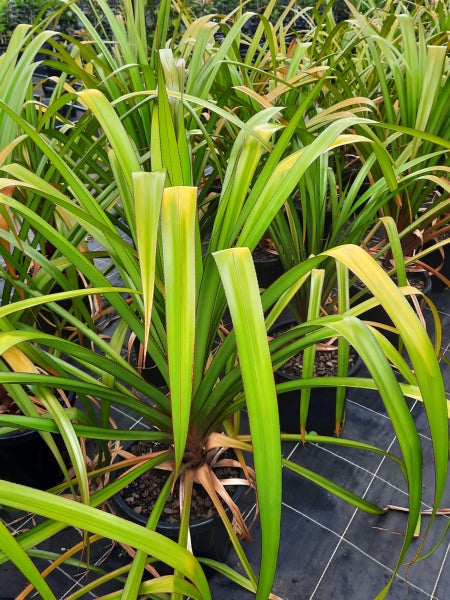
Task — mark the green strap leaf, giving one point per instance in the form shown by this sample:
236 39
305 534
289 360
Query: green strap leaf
97 521
148 191
309 353
241 287
335 489
18 556
115 131
429 379
178 222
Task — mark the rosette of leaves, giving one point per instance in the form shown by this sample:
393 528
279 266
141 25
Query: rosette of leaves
178 296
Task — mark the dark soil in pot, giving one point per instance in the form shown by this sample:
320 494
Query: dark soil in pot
25 458
322 405
325 364
208 534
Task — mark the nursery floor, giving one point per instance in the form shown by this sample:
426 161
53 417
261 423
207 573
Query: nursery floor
329 550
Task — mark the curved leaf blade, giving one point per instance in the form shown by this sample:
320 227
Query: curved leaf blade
178 220
241 287
97 521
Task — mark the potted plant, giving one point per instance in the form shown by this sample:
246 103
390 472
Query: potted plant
29 401
16 447
324 213
213 396
177 297
408 73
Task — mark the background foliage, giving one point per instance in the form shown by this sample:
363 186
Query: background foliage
13 12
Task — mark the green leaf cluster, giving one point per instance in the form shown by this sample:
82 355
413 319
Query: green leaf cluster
180 154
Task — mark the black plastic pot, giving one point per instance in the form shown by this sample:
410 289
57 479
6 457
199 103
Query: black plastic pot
379 315
268 270
322 405
209 537
26 459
